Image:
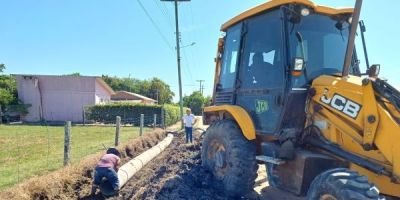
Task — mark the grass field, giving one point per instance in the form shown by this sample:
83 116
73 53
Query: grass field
27 150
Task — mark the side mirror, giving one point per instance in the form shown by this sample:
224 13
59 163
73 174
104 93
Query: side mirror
374 70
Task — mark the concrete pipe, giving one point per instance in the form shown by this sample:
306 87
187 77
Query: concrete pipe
127 170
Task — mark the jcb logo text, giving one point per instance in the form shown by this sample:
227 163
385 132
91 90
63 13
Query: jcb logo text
340 103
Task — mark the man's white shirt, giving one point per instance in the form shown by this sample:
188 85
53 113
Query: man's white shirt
188 120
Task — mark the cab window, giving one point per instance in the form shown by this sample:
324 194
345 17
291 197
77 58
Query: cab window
230 57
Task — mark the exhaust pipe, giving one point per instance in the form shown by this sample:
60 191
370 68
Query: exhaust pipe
352 36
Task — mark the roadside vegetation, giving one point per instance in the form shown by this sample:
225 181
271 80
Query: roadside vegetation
196 101
10 105
27 150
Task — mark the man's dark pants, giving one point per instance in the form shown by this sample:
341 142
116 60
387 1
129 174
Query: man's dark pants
188 131
108 173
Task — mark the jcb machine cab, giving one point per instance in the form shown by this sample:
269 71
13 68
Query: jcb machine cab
289 93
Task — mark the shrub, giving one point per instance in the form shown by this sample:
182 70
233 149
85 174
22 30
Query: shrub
130 113
171 114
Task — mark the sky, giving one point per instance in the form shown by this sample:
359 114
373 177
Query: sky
118 38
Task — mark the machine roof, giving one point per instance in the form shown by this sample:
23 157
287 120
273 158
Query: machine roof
276 3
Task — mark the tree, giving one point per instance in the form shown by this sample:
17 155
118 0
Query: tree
207 101
74 74
196 101
161 91
5 97
154 88
2 68
8 89
8 94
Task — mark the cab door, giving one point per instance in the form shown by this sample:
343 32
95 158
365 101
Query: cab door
261 79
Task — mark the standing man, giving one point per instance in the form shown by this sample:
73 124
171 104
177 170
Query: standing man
189 120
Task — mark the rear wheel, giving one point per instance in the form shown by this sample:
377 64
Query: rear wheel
230 157
342 184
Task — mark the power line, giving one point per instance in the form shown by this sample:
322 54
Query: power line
155 25
194 33
188 65
189 21
164 12
185 56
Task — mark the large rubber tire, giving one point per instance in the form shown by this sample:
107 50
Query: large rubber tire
230 157
342 184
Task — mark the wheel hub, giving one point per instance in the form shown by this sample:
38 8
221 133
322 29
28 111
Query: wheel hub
220 159
327 197
217 153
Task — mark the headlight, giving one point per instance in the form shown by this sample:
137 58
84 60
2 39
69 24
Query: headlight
305 12
298 64
350 20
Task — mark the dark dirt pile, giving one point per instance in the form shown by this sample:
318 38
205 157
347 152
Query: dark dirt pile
74 182
175 174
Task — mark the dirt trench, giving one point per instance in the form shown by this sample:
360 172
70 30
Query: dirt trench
177 174
174 174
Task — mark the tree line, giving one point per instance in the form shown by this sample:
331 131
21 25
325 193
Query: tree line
153 88
9 101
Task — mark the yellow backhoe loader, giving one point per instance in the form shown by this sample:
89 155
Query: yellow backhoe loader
289 93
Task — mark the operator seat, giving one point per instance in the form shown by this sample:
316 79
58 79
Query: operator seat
260 70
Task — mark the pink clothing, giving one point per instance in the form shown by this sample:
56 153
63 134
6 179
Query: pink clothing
108 161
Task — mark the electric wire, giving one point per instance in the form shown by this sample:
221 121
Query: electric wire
165 13
155 25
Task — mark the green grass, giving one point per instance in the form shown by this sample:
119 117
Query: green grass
27 150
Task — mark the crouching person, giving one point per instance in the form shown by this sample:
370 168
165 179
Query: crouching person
107 168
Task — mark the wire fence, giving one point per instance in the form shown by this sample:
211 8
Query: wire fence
30 150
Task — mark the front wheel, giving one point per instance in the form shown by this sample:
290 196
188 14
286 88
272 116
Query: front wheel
342 184
230 157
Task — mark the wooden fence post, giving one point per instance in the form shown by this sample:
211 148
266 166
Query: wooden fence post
117 128
162 118
83 116
1 115
67 143
141 124
154 121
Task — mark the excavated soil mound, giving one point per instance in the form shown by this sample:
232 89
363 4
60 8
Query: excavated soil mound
74 182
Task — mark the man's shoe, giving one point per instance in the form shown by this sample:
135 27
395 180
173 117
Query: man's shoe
94 188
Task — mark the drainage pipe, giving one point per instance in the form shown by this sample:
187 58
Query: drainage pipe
127 170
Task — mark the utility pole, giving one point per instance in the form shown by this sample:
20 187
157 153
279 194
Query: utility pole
178 54
201 86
